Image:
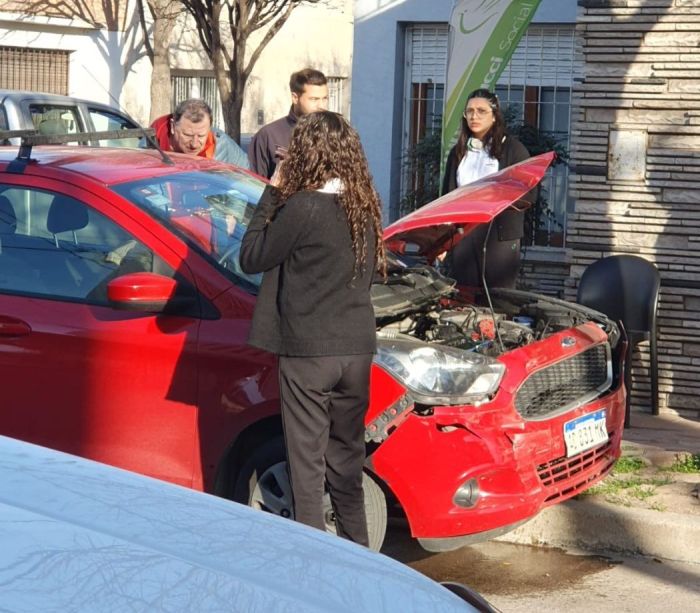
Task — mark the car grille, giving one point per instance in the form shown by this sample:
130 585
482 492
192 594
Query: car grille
565 384
566 477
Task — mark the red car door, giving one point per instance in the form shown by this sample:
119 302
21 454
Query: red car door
78 374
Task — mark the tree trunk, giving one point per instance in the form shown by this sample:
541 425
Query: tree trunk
161 86
230 110
243 17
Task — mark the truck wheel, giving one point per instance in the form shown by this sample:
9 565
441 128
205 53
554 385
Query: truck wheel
263 484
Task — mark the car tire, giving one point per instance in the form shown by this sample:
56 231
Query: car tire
263 483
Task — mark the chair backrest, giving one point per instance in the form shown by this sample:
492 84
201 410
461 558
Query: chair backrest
624 287
66 214
8 217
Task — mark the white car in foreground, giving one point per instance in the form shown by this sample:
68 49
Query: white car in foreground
81 536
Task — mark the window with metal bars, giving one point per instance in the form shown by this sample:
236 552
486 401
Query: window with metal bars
38 70
424 93
534 88
336 89
204 87
198 86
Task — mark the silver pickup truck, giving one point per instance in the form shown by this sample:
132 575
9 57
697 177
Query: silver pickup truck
53 114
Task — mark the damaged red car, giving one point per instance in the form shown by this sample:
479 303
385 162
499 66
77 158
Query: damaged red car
123 323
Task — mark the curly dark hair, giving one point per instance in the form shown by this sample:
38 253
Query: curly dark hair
493 140
325 146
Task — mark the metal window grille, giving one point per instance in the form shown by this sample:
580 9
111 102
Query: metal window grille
39 70
426 55
426 64
535 86
199 86
336 90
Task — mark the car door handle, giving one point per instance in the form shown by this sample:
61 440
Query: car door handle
10 326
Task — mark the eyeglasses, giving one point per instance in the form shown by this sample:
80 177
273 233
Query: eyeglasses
478 112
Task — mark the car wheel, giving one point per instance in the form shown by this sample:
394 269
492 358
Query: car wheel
263 484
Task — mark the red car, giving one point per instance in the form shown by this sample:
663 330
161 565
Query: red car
123 324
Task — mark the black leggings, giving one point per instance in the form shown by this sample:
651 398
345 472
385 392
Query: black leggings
324 400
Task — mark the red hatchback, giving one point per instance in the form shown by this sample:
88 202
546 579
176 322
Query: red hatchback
123 323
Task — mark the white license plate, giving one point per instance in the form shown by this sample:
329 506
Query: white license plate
585 432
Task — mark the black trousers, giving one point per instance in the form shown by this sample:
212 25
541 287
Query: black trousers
324 400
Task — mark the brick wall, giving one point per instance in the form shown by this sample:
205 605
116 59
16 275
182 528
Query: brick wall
642 81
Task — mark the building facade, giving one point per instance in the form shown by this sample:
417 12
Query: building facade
636 141
398 100
618 82
94 49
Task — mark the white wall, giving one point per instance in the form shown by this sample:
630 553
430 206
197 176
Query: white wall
318 36
377 84
111 67
96 61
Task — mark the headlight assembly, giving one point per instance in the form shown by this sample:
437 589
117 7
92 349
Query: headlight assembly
437 374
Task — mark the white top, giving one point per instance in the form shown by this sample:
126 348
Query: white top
477 163
332 186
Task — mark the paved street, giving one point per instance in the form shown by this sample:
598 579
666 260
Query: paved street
519 578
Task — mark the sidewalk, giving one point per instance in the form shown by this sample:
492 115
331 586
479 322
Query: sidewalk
660 519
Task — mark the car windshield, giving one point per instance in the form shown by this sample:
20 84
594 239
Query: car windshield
210 209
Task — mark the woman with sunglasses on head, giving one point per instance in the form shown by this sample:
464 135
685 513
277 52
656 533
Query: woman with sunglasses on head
317 237
483 148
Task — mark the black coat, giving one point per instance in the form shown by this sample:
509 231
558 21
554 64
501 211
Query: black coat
268 146
509 224
309 304
466 261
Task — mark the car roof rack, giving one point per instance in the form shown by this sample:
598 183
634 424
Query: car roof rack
31 138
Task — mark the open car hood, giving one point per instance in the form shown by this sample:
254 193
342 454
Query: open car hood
441 224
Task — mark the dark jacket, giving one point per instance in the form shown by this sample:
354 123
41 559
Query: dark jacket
308 304
509 224
270 144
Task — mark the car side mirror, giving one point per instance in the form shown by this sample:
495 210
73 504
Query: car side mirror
148 292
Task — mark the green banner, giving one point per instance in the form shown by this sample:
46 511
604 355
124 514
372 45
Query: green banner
483 37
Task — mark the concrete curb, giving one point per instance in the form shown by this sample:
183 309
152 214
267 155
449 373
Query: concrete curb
600 526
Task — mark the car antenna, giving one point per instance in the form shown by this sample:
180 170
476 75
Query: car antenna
150 135
31 138
486 286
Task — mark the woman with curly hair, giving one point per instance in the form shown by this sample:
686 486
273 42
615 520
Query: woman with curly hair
483 148
317 238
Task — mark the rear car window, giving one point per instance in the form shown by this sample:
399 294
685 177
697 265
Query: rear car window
107 121
55 119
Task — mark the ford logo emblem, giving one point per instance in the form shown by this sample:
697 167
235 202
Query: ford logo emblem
568 341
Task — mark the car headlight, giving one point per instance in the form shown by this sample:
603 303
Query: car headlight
437 374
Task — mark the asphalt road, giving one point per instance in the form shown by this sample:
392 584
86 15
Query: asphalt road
520 578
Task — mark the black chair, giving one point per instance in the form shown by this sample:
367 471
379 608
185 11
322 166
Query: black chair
626 289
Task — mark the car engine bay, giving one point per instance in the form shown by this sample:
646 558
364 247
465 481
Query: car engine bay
420 303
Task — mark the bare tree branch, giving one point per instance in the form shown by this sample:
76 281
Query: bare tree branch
232 58
144 28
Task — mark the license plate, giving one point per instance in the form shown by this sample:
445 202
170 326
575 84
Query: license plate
585 432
